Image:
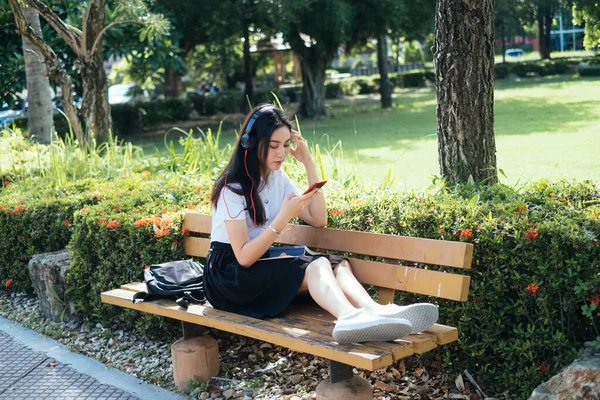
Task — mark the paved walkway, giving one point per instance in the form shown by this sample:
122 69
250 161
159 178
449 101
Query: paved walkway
35 367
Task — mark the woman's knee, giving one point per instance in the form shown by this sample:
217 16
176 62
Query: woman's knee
343 265
319 264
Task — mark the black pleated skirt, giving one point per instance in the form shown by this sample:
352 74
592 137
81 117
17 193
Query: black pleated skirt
263 290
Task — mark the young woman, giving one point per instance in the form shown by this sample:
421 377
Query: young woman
253 201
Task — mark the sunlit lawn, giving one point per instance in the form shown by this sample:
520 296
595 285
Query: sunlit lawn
545 127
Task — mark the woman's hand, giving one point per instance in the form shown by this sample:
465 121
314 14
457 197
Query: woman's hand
300 152
293 204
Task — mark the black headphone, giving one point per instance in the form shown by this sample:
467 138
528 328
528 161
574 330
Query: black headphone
246 142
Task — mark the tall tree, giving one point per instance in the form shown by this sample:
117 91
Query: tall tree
545 11
39 108
315 29
410 19
87 44
464 69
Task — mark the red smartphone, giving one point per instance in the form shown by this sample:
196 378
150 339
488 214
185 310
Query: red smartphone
315 185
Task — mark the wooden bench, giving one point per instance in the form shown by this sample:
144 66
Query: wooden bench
308 329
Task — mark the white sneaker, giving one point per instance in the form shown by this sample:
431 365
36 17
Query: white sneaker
363 326
421 315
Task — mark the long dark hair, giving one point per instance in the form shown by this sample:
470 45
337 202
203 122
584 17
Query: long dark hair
269 120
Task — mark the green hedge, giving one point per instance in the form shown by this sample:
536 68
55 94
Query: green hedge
539 68
589 70
535 267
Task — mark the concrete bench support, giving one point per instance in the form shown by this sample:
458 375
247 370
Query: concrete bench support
343 385
194 357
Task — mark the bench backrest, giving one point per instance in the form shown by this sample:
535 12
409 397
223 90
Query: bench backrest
389 275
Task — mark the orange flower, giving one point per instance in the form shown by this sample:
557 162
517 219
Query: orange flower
521 209
552 195
533 288
117 207
532 234
336 213
142 222
164 210
102 220
441 230
3 207
113 224
8 283
147 267
466 233
161 232
83 210
191 207
596 299
185 231
164 221
199 189
68 282
6 183
543 368
17 210
66 222
146 172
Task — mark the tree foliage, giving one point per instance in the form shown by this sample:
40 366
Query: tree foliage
587 12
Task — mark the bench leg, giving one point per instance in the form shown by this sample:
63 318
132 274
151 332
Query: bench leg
343 384
194 356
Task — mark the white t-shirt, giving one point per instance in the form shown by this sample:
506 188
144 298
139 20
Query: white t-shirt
232 206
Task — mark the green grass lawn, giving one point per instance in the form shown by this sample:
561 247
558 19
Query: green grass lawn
545 128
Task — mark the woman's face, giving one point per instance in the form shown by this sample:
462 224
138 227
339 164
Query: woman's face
279 147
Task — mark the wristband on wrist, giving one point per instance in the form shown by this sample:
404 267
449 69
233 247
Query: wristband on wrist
274 230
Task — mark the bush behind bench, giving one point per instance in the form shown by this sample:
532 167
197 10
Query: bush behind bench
536 261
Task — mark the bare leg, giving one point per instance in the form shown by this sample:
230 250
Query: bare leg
352 288
324 288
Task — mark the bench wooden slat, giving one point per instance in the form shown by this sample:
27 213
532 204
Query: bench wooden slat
319 320
428 251
441 334
408 279
293 317
359 355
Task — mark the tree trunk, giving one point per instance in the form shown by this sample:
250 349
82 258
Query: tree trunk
95 108
249 84
544 23
172 83
39 102
464 68
314 65
384 81
56 71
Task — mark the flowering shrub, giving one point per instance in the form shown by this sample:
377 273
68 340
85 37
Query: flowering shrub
535 289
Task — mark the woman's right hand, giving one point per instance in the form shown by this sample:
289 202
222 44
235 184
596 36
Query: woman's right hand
293 204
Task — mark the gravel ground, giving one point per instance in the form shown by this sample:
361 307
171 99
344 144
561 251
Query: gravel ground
250 369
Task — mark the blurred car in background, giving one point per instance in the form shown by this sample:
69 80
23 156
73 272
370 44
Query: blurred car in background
9 113
125 93
514 53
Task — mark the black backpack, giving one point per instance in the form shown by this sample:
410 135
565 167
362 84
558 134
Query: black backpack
181 281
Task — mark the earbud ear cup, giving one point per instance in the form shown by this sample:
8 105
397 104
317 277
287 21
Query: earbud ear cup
245 141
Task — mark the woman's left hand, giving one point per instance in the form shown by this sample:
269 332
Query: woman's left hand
300 152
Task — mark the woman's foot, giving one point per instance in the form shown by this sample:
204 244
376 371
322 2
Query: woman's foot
421 315
363 326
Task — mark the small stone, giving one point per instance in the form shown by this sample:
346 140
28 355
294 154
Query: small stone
296 379
228 393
